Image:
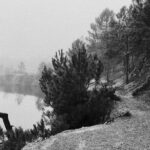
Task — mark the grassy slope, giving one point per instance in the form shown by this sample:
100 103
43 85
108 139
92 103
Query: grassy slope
123 133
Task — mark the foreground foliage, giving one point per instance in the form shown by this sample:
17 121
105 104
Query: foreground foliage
17 138
72 88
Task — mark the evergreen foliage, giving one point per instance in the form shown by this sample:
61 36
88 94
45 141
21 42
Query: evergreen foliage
66 89
17 138
125 41
72 86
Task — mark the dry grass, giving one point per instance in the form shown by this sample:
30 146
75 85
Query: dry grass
125 133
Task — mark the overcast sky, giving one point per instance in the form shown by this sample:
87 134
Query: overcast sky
32 30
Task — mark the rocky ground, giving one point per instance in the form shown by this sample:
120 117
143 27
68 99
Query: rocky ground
124 133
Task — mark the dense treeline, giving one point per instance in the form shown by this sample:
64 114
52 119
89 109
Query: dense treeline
122 40
20 83
18 80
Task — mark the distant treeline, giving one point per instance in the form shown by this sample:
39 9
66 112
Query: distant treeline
22 83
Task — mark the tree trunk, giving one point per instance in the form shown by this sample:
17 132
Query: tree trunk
127 62
107 75
132 61
7 124
127 68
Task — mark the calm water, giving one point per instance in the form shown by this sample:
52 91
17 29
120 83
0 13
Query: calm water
22 110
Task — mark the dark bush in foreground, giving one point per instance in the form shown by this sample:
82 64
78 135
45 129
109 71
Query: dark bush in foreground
66 88
97 110
17 138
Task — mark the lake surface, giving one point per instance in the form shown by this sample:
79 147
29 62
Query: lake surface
23 110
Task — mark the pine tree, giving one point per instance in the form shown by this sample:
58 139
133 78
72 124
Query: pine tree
66 85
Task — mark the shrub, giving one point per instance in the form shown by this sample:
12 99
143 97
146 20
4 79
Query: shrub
17 138
66 89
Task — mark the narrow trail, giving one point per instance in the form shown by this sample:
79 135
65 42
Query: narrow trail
136 107
130 133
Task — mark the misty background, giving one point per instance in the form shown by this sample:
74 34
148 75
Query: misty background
102 61
31 31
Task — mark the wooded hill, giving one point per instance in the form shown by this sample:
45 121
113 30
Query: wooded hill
122 40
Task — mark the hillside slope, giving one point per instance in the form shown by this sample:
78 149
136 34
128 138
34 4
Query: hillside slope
123 134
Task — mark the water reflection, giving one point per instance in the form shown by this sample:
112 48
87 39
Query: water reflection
38 101
23 110
19 98
39 104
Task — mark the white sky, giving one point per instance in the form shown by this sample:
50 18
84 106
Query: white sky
32 30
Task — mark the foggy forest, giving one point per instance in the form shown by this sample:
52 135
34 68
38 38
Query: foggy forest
98 88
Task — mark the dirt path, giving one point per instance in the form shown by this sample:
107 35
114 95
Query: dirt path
123 134
136 107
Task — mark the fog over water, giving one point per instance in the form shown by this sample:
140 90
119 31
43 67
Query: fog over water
22 110
32 30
